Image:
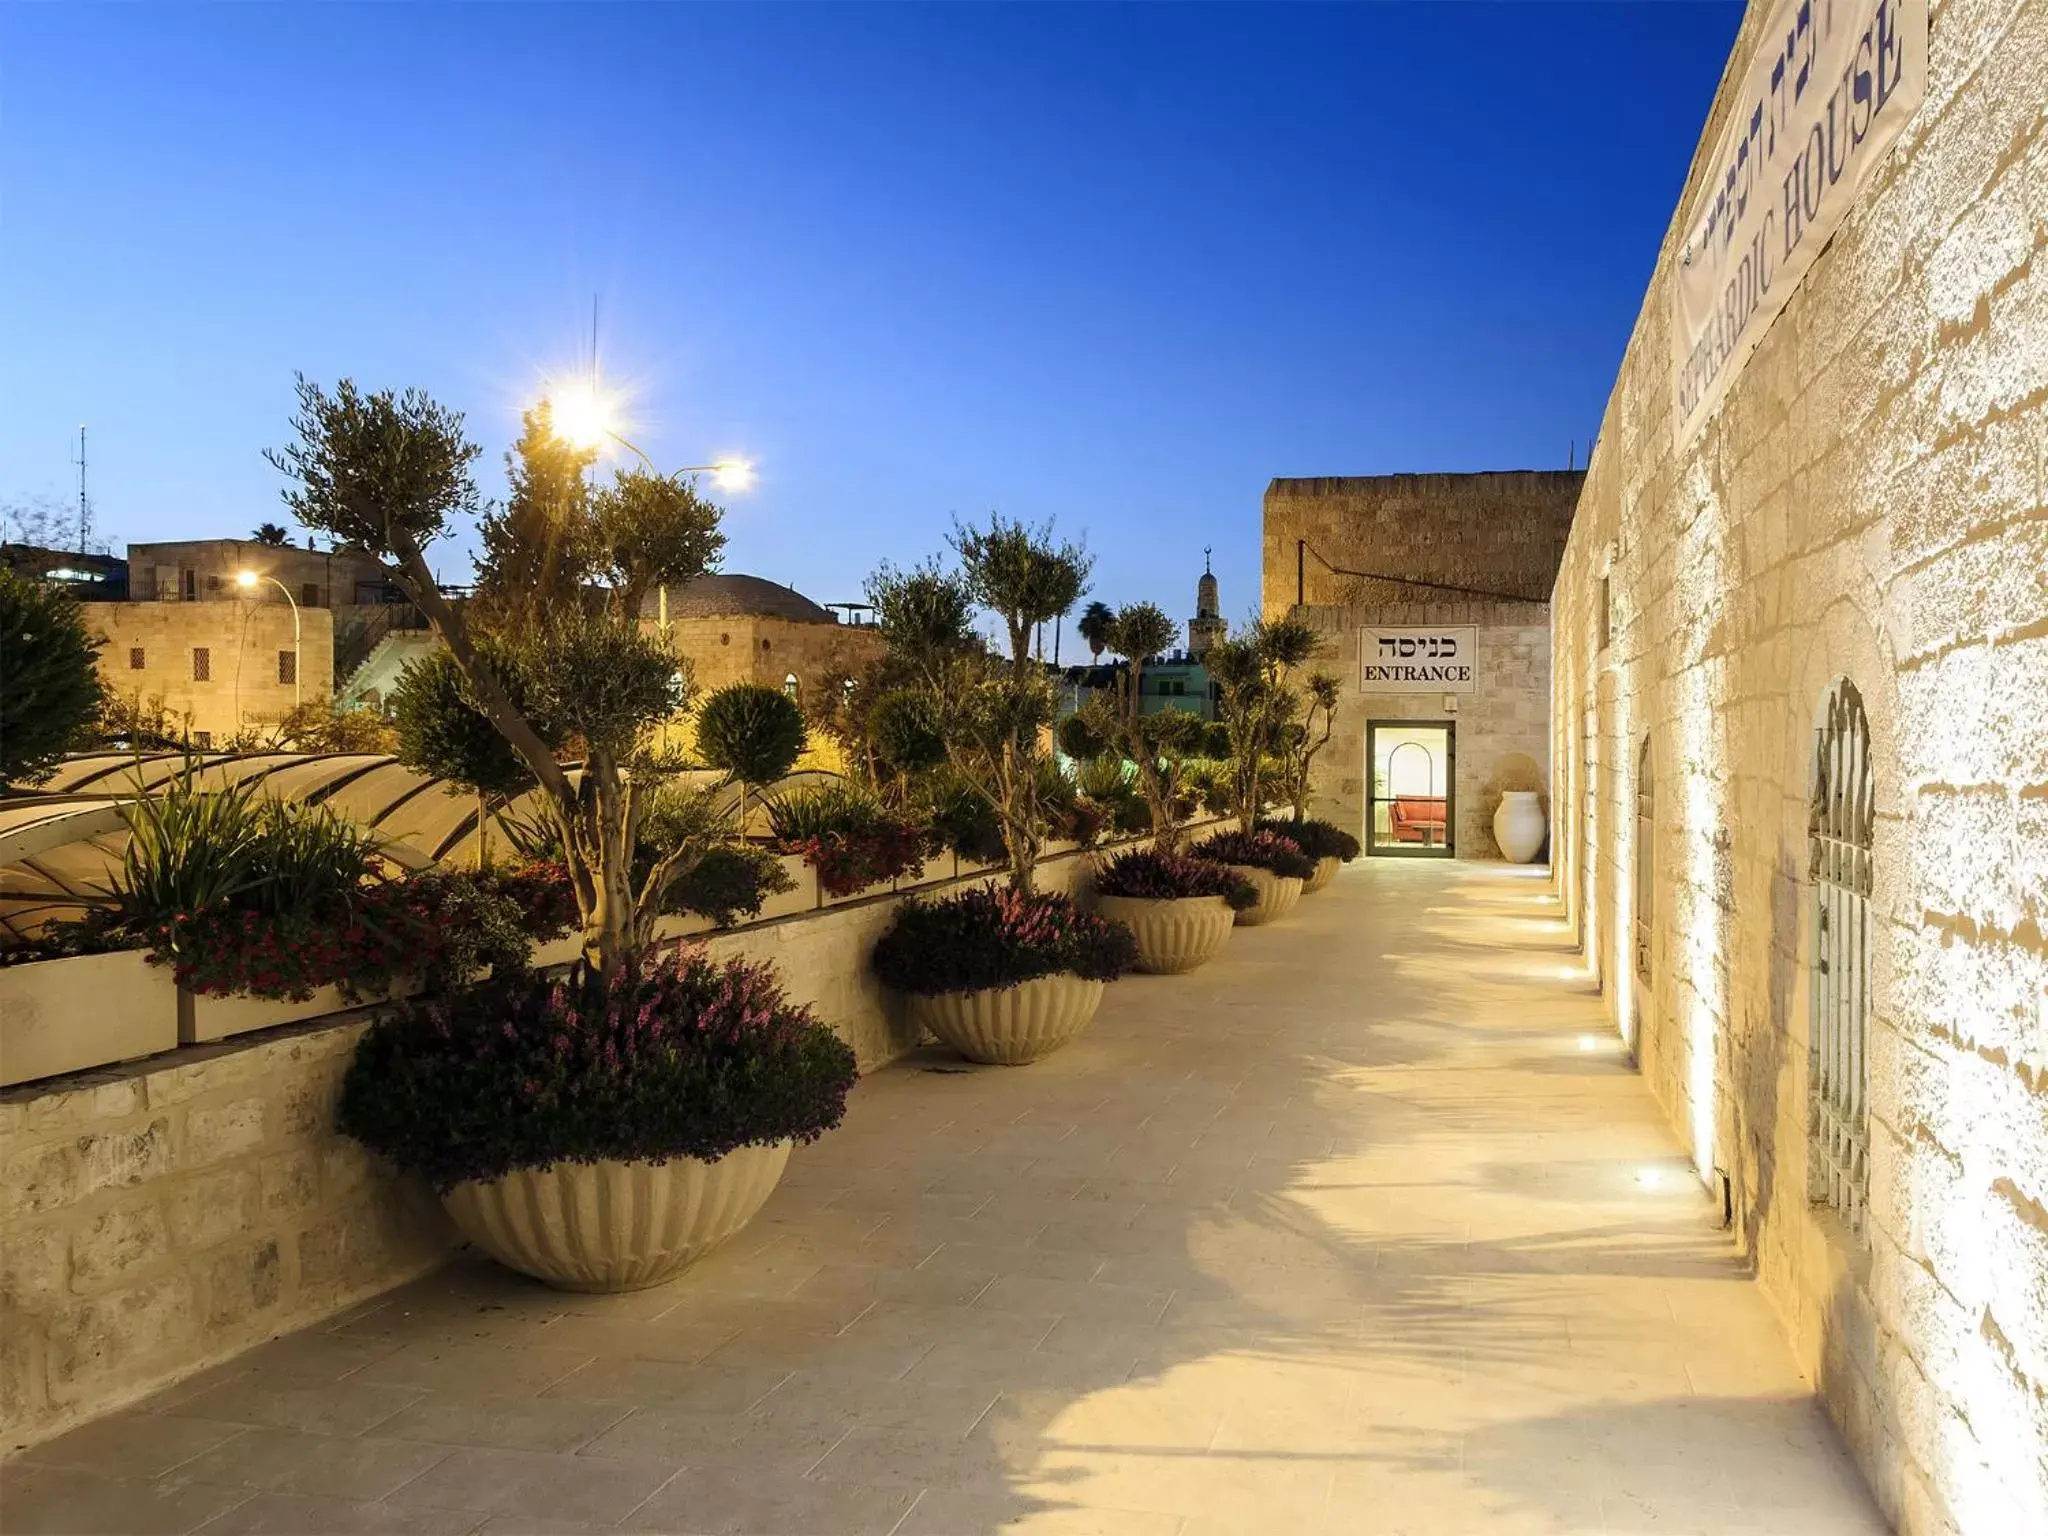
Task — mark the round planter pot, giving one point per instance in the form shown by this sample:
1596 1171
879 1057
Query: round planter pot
1326 871
1173 936
1277 895
615 1226
1011 1025
1518 825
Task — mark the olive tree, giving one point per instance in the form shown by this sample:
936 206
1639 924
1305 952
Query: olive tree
1304 738
441 731
991 711
389 473
753 732
1152 744
1255 700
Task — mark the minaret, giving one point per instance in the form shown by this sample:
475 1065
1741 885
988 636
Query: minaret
1207 626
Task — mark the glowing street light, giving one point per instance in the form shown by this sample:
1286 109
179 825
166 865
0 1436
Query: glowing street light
587 417
247 581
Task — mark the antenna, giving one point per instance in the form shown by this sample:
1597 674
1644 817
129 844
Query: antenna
593 342
84 506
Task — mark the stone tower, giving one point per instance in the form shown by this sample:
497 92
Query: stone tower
1207 626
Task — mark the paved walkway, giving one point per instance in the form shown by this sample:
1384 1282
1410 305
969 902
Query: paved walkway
1342 1234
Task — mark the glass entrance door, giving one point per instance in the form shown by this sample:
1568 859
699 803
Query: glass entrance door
1411 763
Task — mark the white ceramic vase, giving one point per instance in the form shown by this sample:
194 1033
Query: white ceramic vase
1277 895
1518 825
615 1226
1009 1026
1173 936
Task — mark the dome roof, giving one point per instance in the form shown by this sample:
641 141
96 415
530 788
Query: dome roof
721 596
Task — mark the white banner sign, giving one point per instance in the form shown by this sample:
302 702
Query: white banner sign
1830 86
1412 659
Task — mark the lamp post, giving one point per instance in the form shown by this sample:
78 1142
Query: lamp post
247 581
582 415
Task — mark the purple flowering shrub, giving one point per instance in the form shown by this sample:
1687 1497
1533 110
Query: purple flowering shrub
1316 839
1145 874
681 1057
984 939
1269 851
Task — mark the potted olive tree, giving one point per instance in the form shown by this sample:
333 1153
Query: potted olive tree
664 1090
1000 977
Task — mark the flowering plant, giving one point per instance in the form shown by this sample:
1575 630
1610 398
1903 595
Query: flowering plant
984 939
676 1056
1261 850
1316 839
853 860
1145 874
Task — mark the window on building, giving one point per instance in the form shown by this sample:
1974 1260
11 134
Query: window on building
309 595
137 658
792 687
288 667
1645 855
1841 833
213 583
202 739
190 585
1606 612
202 664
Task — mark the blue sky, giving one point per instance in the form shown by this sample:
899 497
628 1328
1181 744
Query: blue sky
1114 265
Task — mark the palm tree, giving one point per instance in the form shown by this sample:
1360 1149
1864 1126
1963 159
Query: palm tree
272 534
1097 620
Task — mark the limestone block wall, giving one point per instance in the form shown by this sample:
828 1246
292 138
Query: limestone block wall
1867 504
160 1217
242 640
1498 532
1501 729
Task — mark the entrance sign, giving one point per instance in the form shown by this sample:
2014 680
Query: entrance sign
1829 87
1399 658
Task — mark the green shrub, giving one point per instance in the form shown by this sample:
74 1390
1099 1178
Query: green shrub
751 731
731 881
984 939
677 1057
847 835
905 732
49 677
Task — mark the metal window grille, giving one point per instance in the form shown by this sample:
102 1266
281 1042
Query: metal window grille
202 664
1841 823
1646 833
287 667
137 659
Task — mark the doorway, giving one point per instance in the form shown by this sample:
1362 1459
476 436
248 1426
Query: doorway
1414 809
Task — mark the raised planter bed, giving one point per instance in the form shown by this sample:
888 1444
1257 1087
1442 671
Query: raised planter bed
206 1016
60 1016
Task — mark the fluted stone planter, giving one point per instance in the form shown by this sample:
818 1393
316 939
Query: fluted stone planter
1326 871
1011 1025
1277 895
615 1226
1173 936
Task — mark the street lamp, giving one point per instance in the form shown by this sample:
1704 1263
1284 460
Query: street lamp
247 580
584 416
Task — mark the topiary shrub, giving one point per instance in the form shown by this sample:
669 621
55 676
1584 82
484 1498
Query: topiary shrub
731 881
676 1057
983 940
965 822
1145 874
751 731
1316 839
1261 850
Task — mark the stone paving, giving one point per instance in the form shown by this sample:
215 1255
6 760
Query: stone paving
1348 1232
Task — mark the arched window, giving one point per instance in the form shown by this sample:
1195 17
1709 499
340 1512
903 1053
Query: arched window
792 687
1646 842
1841 824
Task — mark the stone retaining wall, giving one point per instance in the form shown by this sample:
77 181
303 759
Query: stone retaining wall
160 1217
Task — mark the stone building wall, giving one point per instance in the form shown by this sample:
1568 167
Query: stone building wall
1868 504
1501 730
1452 537
1499 533
243 642
766 649
206 569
